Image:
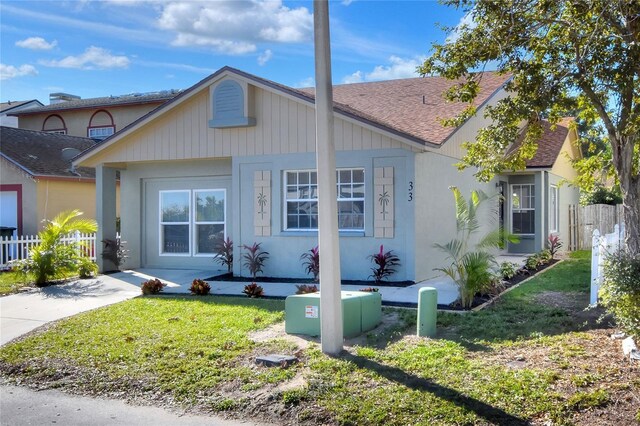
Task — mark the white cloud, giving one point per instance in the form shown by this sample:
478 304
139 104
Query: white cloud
398 68
9 71
465 22
264 57
235 27
356 77
307 82
36 43
92 58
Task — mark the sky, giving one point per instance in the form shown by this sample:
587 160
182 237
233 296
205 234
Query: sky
116 47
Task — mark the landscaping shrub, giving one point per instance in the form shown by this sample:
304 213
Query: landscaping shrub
312 262
114 251
52 258
253 290
386 261
369 289
471 268
554 244
200 287
153 286
254 259
224 249
620 291
304 289
87 268
508 270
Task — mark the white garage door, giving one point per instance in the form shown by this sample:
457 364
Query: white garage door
9 209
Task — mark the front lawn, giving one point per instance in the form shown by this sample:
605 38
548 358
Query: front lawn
535 356
13 282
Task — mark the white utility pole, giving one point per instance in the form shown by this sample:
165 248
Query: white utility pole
331 331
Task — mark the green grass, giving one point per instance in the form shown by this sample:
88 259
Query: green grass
13 282
198 351
180 344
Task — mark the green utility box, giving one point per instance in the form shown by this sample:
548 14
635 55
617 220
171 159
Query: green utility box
361 311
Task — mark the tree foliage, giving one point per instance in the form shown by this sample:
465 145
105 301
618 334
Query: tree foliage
574 55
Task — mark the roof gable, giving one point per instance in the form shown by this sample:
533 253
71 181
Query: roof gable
550 143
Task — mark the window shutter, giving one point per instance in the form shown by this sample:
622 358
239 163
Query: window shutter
384 202
262 202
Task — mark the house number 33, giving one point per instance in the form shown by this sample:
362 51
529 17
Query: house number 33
410 191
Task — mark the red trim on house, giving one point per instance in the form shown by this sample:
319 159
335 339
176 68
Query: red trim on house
18 190
44 123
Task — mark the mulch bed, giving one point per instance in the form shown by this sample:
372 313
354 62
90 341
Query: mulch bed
261 280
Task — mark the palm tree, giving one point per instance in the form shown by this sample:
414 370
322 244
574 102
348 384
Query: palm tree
471 268
52 258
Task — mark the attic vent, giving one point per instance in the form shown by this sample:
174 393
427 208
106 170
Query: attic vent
69 153
229 106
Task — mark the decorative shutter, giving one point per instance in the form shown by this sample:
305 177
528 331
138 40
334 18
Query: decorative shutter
384 202
262 202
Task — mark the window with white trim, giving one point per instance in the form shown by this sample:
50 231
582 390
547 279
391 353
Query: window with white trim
301 199
192 222
523 209
100 132
554 209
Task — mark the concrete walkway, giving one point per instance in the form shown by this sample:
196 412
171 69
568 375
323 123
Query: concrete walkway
21 406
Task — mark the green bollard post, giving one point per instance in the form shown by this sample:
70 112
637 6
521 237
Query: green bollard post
427 311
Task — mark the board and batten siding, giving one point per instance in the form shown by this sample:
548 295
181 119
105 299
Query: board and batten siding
284 126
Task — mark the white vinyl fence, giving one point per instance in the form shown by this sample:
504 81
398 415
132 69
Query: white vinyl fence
601 246
18 248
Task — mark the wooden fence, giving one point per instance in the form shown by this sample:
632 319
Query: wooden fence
583 220
601 246
18 248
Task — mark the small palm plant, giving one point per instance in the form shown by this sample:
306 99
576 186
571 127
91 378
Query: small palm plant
254 259
52 258
472 267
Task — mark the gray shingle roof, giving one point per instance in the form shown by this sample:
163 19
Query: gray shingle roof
549 145
40 153
107 101
414 106
8 106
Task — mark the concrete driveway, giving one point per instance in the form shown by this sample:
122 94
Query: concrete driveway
23 312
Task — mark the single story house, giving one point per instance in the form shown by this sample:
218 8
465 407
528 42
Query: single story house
38 181
234 156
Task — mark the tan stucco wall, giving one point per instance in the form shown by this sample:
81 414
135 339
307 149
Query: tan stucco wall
77 121
54 197
12 175
563 167
435 208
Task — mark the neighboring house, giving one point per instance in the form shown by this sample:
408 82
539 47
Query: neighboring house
37 180
95 118
234 156
11 107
